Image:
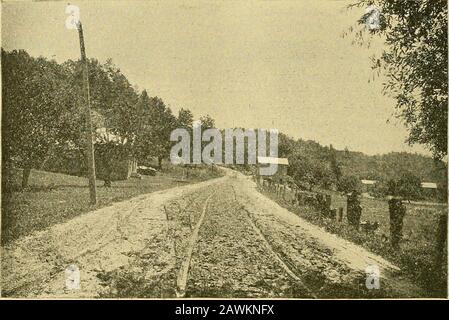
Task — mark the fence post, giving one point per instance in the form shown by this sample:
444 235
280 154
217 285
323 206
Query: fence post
354 210
441 241
397 213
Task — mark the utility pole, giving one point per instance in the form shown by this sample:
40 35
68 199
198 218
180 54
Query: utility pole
88 123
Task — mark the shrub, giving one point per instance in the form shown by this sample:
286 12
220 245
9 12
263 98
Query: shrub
407 186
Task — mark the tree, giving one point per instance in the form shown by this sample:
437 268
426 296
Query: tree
158 122
302 170
40 109
415 64
323 175
334 165
207 122
407 186
115 112
349 183
121 109
286 145
185 119
143 144
381 188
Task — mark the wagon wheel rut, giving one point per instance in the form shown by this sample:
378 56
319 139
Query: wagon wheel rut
229 256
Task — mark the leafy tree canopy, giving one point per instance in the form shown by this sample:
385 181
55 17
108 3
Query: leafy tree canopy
415 64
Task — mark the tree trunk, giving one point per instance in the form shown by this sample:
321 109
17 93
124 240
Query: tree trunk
159 162
397 212
441 241
25 177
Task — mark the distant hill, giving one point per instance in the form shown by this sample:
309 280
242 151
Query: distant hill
391 165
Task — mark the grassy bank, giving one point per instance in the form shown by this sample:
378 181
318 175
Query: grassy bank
417 253
54 198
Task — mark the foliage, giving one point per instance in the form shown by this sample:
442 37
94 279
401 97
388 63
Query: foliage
39 109
418 247
44 113
207 122
415 64
157 122
408 186
316 165
185 119
349 183
111 161
334 164
380 189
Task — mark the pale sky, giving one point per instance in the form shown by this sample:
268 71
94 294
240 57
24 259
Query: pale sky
258 64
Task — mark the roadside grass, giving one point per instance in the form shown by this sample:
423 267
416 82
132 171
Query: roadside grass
53 198
417 253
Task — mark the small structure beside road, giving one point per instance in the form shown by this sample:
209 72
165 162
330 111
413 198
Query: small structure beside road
281 162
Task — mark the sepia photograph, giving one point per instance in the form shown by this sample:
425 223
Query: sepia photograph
249 149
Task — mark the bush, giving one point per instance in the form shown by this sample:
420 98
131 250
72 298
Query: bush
380 189
407 186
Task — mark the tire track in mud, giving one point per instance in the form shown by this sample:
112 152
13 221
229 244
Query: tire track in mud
231 258
277 257
184 269
322 267
316 265
148 275
284 264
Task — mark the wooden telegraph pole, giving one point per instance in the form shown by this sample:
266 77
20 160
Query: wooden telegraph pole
88 123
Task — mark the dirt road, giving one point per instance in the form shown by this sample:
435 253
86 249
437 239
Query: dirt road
219 238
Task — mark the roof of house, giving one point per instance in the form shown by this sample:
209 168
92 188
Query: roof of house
429 185
272 160
369 181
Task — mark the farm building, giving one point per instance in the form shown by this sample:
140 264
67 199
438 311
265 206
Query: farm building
120 169
368 185
113 162
430 189
429 185
281 173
